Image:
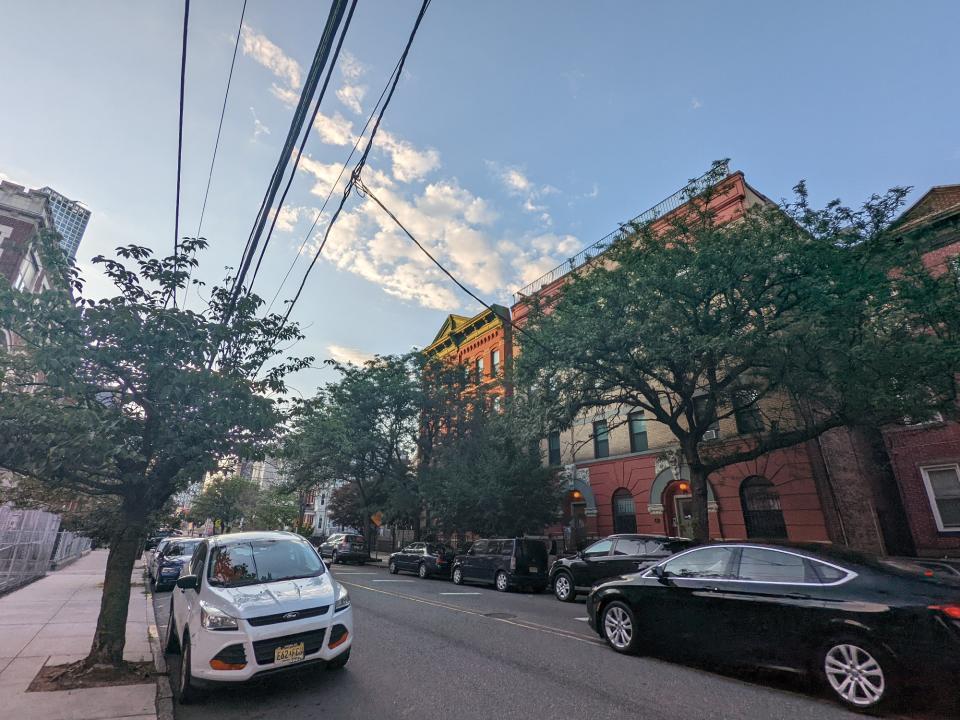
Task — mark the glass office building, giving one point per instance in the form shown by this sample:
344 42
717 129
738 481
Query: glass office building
70 218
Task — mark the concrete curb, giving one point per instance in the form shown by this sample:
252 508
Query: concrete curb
164 690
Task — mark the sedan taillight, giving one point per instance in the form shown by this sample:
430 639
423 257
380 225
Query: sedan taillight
952 611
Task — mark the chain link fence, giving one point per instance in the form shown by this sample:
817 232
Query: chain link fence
30 543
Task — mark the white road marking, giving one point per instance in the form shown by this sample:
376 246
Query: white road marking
462 593
355 573
408 581
583 619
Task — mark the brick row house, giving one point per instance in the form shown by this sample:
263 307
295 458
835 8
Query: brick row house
885 492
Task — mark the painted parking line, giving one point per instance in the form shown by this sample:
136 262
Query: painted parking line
356 573
462 593
407 581
525 624
583 619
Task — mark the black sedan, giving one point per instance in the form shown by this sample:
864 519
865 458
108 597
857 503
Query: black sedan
608 558
865 626
425 559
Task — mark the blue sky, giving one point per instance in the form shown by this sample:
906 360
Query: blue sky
521 132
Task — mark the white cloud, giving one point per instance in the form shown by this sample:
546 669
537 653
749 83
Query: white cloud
350 67
291 215
285 95
516 182
352 96
409 163
258 127
262 50
695 103
336 130
344 354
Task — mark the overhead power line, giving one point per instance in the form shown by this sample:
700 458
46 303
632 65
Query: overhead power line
183 82
334 18
333 186
361 162
303 143
216 143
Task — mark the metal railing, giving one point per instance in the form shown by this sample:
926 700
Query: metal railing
682 196
30 543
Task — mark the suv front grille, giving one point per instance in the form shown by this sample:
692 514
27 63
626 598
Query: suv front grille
312 641
285 616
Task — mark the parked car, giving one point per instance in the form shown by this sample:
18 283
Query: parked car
505 563
608 558
945 566
170 561
253 604
425 559
863 625
154 556
345 547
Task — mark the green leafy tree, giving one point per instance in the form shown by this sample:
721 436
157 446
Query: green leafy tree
131 398
227 498
789 321
274 509
358 433
488 477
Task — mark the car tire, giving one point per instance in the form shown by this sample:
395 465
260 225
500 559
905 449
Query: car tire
171 644
187 692
392 567
422 571
501 582
563 587
858 674
339 661
457 575
619 625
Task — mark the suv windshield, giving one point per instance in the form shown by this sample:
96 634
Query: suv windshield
262 561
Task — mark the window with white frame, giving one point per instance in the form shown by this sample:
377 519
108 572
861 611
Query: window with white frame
943 489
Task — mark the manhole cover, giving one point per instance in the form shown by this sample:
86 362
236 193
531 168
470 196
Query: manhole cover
499 616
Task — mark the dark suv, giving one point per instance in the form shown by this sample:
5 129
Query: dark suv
505 563
608 558
345 547
423 558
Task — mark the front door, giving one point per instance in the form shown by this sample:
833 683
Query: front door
683 516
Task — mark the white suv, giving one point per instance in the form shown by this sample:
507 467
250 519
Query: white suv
254 603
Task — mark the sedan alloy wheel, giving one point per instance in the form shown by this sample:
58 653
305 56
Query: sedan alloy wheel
501 580
619 627
855 675
422 570
457 576
563 588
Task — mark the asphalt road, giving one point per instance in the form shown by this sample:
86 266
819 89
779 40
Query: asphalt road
429 649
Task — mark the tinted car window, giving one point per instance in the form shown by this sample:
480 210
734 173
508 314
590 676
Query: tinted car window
176 549
599 548
479 547
771 566
714 562
262 561
196 564
533 550
506 548
493 547
827 573
626 546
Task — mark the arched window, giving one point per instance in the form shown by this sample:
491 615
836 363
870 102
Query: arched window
624 512
761 509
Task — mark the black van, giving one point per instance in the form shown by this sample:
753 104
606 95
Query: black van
505 563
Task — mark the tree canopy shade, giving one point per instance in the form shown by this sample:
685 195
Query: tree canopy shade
131 398
789 320
227 498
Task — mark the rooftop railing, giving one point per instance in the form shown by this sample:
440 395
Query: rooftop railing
682 196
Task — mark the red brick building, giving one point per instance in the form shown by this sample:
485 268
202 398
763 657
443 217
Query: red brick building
925 458
622 473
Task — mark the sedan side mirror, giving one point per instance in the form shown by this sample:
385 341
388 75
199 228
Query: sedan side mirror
661 575
188 582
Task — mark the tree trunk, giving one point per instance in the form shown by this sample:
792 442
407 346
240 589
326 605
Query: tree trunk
701 517
111 634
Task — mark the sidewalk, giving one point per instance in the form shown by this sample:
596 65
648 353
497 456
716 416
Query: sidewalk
51 622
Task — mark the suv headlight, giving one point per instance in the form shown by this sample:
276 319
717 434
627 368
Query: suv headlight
343 598
213 618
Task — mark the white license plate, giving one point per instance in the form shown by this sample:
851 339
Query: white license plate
288 653
533 568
